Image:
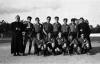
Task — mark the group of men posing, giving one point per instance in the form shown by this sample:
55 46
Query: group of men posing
22 32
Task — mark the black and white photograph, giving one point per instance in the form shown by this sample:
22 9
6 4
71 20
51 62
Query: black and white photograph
49 32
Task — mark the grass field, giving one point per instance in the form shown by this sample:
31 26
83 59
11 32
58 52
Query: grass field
7 58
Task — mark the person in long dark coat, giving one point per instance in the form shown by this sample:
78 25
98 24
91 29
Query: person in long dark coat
17 38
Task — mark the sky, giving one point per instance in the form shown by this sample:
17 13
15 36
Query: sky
89 9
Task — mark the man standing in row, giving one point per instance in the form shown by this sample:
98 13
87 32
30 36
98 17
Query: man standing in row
38 33
73 28
48 28
17 28
65 28
38 28
56 27
29 32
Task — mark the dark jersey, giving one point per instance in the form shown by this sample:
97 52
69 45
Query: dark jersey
29 28
56 27
83 28
38 28
47 27
65 28
73 27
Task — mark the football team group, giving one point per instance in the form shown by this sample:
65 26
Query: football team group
50 39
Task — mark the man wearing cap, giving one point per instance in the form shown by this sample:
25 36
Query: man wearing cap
17 38
48 28
56 27
29 32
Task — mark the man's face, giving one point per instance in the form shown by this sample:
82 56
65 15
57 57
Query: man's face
65 21
76 22
48 20
37 20
72 22
81 20
17 18
86 21
56 20
29 19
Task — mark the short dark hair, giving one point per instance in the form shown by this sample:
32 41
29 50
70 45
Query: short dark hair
49 17
37 18
65 19
73 19
82 18
56 17
29 17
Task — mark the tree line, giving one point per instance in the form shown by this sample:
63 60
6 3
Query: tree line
95 29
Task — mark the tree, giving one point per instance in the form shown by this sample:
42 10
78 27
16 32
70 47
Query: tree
97 29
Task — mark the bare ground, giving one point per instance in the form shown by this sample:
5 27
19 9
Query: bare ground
7 58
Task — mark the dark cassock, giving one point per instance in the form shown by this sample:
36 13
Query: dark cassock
17 37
